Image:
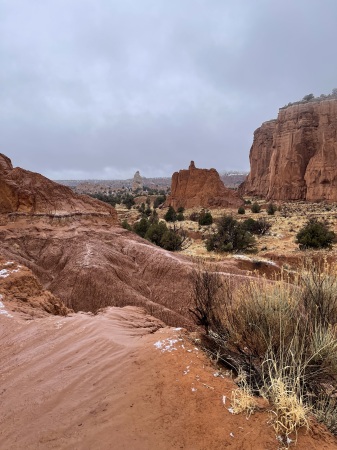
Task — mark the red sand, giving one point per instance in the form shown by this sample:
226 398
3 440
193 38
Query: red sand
100 382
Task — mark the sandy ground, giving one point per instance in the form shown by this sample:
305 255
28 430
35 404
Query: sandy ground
118 381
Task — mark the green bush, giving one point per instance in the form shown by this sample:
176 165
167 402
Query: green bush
271 209
128 201
141 227
255 208
171 240
155 232
315 234
180 217
126 225
259 226
241 210
171 215
205 218
159 201
230 236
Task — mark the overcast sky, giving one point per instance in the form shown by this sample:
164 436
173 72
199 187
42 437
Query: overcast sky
102 88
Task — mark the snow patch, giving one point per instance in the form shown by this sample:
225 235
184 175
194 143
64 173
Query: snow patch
3 311
4 273
166 345
255 260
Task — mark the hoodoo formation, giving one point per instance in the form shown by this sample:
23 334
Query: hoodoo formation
294 157
200 188
137 182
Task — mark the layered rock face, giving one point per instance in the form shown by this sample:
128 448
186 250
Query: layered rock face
22 191
83 258
294 157
200 188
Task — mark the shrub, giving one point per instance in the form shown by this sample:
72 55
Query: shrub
171 215
181 209
159 201
255 208
315 234
271 209
194 216
126 225
156 232
141 227
180 217
230 237
128 201
171 241
205 218
259 227
282 334
241 210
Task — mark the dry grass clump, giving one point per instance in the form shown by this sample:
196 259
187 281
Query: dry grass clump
243 399
282 334
290 412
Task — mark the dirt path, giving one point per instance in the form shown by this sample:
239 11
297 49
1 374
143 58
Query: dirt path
115 381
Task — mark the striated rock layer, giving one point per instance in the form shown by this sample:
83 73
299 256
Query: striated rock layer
200 188
294 157
22 191
84 259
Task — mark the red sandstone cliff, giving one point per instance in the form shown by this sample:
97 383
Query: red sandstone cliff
294 157
200 188
22 191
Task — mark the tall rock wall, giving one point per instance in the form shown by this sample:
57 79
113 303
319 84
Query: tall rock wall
295 156
200 188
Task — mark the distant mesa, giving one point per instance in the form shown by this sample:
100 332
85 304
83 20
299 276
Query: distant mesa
137 182
294 157
22 191
200 188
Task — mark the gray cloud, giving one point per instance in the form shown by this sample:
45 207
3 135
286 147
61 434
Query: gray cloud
99 89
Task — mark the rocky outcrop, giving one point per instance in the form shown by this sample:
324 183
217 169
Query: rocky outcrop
137 182
294 157
22 191
200 188
22 293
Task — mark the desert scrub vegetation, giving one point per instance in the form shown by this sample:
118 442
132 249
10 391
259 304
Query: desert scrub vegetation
281 334
230 236
315 234
170 238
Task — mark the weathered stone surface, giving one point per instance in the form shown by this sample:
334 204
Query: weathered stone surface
294 157
22 191
137 182
200 188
